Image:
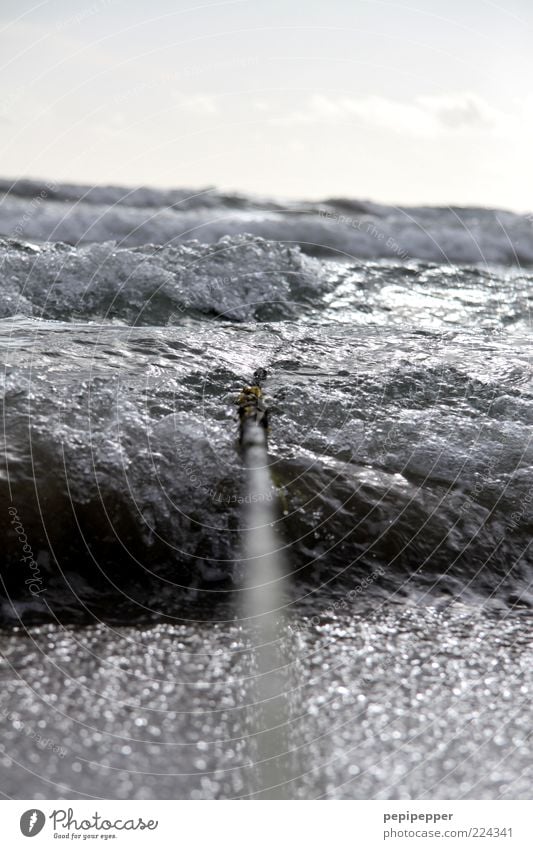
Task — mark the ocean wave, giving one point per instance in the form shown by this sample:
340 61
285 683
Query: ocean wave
400 389
248 278
237 278
398 450
346 228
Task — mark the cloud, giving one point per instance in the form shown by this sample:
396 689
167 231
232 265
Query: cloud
198 104
463 109
425 116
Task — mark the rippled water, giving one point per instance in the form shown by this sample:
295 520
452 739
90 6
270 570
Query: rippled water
393 703
400 390
401 419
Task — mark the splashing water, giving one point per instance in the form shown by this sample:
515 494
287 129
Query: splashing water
403 397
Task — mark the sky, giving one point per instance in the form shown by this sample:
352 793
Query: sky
405 103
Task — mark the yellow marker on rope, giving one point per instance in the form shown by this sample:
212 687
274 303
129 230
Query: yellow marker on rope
252 407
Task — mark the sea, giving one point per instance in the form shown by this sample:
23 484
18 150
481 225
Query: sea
397 345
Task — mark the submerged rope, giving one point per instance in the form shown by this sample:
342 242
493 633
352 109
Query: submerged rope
263 600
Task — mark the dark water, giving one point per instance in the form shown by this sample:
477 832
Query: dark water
398 347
